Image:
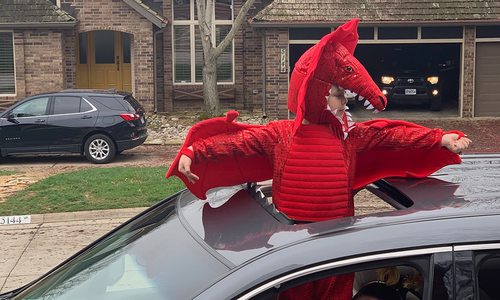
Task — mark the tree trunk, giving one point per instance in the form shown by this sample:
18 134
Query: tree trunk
211 51
210 93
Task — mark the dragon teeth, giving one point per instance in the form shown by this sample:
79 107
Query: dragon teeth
366 103
370 107
361 98
376 111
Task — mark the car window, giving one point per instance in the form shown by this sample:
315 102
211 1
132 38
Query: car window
112 103
133 103
405 278
66 104
153 257
31 108
85 106
487 276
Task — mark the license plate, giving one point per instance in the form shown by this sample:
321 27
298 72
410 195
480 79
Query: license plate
410 91
13 220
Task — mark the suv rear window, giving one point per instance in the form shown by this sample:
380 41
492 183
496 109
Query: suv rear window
134 103
112 103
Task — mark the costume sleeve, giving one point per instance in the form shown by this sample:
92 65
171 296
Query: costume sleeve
394 135
387 148
247 142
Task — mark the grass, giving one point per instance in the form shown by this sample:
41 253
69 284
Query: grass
5 173
93 189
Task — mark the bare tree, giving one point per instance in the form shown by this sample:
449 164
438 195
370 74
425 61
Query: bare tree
211 52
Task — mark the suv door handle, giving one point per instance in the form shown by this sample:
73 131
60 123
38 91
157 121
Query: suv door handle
87 117
40 121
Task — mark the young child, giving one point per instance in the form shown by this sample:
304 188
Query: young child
318 159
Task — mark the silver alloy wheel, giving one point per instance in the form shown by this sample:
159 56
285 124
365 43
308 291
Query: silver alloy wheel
99 149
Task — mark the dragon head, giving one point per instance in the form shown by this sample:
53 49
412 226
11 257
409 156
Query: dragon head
331 63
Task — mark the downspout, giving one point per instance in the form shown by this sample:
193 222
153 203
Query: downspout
155 75
264 75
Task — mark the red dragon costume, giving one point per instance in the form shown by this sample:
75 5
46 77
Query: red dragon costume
315 167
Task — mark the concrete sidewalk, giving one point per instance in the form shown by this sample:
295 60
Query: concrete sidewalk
28 251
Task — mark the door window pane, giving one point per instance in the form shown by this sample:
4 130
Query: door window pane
388 33
182 52
308 33
7 78
223 10
85 106
35 107
66 105
225 60
83 40
366 33
104 47
126 47
442 32
181 9
489 269
487 31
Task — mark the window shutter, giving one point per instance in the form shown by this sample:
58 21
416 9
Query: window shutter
7 77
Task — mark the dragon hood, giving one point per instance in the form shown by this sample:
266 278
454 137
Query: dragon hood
330 62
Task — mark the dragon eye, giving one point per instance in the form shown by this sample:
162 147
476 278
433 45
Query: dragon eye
348 69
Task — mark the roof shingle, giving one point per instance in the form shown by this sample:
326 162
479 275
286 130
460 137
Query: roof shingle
378 11
36 12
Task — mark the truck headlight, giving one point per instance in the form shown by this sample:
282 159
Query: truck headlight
387 79
433 79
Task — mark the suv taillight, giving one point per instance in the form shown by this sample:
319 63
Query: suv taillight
130 117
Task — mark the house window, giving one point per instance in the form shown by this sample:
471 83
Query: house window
188 50
7 75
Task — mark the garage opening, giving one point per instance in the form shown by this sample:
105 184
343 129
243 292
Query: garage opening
423 78
418 79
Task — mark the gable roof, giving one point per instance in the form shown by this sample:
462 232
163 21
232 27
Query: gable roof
33 14
147 12
378 12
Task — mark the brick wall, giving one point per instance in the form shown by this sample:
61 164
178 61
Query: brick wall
276 81
116 15
468 76
38 63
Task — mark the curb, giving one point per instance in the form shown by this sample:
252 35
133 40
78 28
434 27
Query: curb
39 219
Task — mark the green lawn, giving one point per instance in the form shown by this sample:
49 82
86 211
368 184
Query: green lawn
93 189
5 173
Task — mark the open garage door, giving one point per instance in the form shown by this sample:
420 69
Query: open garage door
423 78
419 79
487 89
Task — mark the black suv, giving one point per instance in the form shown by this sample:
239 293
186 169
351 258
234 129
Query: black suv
406 80
97 124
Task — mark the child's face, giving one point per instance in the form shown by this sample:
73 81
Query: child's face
336 99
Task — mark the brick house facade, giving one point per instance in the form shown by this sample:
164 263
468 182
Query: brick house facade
46 57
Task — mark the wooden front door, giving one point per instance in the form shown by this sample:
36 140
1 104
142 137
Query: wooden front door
104 60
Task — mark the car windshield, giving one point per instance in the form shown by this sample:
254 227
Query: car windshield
153 257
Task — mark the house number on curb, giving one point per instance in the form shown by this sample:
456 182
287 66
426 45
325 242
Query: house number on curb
283 66
13 220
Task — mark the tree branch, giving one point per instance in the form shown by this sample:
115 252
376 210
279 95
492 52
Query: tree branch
236 26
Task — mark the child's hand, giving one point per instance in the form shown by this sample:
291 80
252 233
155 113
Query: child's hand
454 143
185 167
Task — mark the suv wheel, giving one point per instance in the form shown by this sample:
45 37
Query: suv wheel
99 149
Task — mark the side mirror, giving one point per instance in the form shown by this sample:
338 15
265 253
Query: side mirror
12 118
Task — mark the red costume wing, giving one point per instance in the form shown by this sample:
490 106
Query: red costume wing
226 170
410 160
